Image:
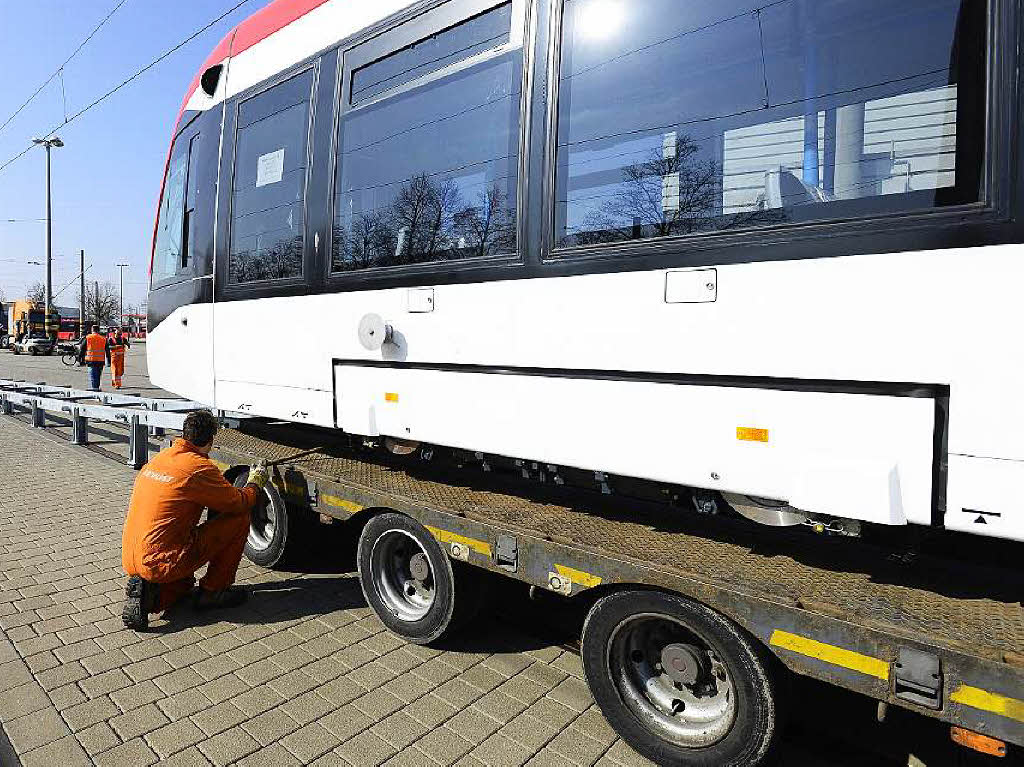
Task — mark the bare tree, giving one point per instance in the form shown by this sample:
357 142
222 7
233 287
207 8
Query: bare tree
103 306
489 227
639 208
36 293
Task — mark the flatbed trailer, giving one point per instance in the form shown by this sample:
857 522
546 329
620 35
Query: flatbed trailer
942 638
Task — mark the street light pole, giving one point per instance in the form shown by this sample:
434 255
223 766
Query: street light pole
121 268
48 144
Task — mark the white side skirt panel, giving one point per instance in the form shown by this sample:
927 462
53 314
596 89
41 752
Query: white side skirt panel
285 402
824 453
984 496
179 354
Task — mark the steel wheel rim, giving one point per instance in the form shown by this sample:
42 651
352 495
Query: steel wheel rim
396 560
694 715
263 523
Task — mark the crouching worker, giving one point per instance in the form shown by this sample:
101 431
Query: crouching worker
163 544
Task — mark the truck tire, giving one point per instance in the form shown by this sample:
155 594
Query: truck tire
410 582
269 528
679 682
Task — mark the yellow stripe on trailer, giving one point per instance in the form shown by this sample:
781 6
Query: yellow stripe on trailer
992 702
444 536
837 656
341 503
578 576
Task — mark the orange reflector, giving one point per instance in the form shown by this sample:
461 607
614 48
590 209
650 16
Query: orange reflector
978 742
391 397
747 434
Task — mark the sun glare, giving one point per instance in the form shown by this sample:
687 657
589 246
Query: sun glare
601 20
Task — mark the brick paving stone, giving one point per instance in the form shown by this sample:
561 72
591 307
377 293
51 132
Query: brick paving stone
66 696
41 661
257 700
174 737
270 726
66 752
65 673
12 674
272 756
223 688
36 729
399 730
346 722
147 669
178 680
133 752
378 704
310 741
98 737
228 746
500 706
444 745
500 751
23 699
574 694
529 731
548 758
473 724
430 710
183 704
365 750
105 683
307 707
218 718
138 721
574 745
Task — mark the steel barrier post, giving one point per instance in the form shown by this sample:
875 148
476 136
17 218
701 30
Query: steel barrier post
138 444
38 415
5 406
79 428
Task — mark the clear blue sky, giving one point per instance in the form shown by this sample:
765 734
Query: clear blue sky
107 177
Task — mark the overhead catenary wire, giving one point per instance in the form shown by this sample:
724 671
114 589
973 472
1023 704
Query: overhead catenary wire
60 69
96 102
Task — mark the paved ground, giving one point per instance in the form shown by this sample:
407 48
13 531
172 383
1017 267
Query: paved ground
305 674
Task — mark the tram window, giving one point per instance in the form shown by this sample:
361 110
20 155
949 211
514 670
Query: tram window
269 187
191 192
484 32
430 173
733 114
168 250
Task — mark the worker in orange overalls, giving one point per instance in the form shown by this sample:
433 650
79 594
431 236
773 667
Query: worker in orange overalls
94 352
117 342
163 544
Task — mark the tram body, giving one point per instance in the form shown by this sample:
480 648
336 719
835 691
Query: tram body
770 249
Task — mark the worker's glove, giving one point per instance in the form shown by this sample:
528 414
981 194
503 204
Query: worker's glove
259 475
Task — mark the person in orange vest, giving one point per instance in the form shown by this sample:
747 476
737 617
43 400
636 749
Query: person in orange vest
117 340
163 544
94 352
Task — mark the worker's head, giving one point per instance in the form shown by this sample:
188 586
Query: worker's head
199 429
95 328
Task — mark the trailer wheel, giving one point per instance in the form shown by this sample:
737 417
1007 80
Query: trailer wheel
269 527
679 682
409 581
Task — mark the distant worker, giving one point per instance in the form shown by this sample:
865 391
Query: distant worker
116 345
94 352
163 544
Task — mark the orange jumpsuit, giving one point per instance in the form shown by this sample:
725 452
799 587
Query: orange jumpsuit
163 541
116 359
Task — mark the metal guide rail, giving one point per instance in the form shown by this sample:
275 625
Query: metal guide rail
142 416
945 639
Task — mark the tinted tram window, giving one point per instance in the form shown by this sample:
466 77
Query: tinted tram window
486 31
170 253
269 188
430 174
715 115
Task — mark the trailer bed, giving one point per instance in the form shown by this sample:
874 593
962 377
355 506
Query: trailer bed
836 609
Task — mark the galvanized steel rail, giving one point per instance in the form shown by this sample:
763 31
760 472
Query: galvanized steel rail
142 416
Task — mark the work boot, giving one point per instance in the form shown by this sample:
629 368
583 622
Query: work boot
233 596
141 599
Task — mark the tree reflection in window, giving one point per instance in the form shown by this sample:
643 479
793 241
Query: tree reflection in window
430 174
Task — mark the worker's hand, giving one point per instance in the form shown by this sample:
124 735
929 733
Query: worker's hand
259 475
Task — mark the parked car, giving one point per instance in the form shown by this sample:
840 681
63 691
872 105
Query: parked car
33 346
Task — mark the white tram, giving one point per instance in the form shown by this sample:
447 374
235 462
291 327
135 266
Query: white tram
762 248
